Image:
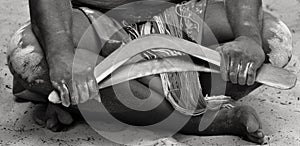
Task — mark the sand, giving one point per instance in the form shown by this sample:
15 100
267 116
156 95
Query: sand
279 110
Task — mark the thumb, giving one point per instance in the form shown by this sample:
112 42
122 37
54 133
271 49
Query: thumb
54 97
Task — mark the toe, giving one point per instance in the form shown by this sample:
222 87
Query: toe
252 124
54 125
258 134
52 117
58 127
39 114
56 117
51 122
255 139
64 117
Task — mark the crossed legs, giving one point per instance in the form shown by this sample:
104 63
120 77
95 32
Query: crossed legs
31 82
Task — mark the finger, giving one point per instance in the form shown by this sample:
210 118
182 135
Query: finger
234 69
74 94
64 95
225 66
59 89
93 86
251 74
242 77
83 91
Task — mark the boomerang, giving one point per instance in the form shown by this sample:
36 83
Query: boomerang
268 75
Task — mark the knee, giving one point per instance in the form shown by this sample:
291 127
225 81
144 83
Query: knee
277 41
24 55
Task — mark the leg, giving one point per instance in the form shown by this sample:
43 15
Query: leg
241 118
57 116
240 121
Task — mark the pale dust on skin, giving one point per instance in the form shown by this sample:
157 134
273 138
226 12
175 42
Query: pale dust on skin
25 59
81 132
277 45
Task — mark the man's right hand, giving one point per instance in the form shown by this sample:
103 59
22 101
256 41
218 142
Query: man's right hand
73 78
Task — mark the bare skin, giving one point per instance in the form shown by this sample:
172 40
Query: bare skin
52 24
242 57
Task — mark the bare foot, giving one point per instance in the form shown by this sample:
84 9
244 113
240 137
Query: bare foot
52 116
243 121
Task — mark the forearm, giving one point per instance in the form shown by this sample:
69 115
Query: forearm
245 17
52 23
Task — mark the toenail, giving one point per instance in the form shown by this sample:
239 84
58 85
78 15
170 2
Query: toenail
260 134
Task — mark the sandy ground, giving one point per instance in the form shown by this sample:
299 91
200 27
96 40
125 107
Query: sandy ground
279 110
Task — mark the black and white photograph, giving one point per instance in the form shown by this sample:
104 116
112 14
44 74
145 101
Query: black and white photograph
149 72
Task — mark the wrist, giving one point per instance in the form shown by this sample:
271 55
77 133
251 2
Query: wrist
62 56
61 48
254 38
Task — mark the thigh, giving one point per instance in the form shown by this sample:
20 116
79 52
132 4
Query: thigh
27 63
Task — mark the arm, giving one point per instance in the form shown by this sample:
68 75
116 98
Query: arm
245 17
242 57
52 24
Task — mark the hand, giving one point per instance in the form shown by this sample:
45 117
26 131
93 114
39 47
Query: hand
240 60
73 77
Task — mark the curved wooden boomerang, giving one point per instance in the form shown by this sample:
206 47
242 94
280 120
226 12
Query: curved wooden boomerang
150 67
267 74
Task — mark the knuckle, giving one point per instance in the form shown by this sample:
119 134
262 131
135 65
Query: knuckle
238 53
